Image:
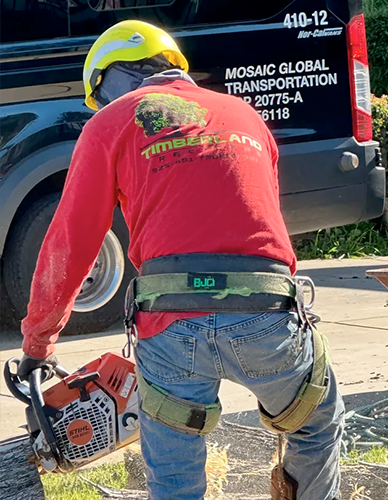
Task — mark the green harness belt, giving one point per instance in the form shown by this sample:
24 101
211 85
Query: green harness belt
149 288
194 418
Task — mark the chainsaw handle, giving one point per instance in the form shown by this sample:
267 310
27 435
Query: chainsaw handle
31 394
21 390
60 372
16 387
48 371
35 379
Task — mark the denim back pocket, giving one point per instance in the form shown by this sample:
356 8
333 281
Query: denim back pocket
269 351
168 356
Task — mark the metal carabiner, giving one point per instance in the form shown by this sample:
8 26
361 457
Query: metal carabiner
132 340
305 280
133 336
129 319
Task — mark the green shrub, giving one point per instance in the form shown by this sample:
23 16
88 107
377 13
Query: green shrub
353 241
376 20
380 124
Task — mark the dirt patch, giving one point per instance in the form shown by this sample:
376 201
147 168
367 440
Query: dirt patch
364 482
250 458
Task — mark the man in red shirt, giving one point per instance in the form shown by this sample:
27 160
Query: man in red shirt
195 173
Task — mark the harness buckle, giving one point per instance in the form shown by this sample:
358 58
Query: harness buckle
197 419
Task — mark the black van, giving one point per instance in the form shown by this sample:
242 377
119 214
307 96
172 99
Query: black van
302 65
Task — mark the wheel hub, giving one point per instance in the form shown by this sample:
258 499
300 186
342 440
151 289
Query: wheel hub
105 278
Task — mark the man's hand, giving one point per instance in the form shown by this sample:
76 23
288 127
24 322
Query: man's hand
28 364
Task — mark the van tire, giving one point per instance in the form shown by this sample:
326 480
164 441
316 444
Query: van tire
20 257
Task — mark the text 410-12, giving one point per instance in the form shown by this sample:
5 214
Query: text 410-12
301 19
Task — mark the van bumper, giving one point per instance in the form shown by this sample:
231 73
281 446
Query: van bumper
316 193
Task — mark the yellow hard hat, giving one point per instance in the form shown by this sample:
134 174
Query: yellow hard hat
127 41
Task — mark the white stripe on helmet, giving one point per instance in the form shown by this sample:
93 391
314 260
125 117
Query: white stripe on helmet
134 41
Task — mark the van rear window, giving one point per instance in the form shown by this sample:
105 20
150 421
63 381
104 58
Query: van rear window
193 12
127 4
226 11
23 20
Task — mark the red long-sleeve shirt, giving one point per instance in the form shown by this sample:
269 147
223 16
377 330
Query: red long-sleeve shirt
194 171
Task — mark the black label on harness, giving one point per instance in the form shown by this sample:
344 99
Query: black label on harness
206 281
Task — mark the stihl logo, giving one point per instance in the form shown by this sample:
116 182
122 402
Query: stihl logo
79 432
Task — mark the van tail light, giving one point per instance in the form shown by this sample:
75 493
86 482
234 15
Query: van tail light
359 79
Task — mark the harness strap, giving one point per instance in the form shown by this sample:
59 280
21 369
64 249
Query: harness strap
177 413
150 287
310 396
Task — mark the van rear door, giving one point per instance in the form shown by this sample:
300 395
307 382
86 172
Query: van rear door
304 69
302 65
292 67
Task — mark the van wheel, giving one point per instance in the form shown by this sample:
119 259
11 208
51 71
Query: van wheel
101 301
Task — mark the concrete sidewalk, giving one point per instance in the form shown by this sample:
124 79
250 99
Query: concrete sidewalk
354 317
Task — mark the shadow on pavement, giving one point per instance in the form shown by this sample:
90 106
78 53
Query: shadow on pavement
12 339
354 401
345 277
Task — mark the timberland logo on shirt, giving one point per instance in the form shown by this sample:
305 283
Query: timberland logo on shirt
157 111
198 140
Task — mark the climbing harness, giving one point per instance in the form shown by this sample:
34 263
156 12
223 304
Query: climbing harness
267 291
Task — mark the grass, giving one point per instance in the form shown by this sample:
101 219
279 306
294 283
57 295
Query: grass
354 241
72 487
376 455
374 7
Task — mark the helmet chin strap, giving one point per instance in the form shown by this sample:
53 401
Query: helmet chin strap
123 77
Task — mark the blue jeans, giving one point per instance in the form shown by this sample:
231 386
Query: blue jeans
259 351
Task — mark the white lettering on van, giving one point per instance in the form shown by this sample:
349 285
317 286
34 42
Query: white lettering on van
272 89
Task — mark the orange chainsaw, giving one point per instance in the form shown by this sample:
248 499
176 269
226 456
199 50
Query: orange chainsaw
86 415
